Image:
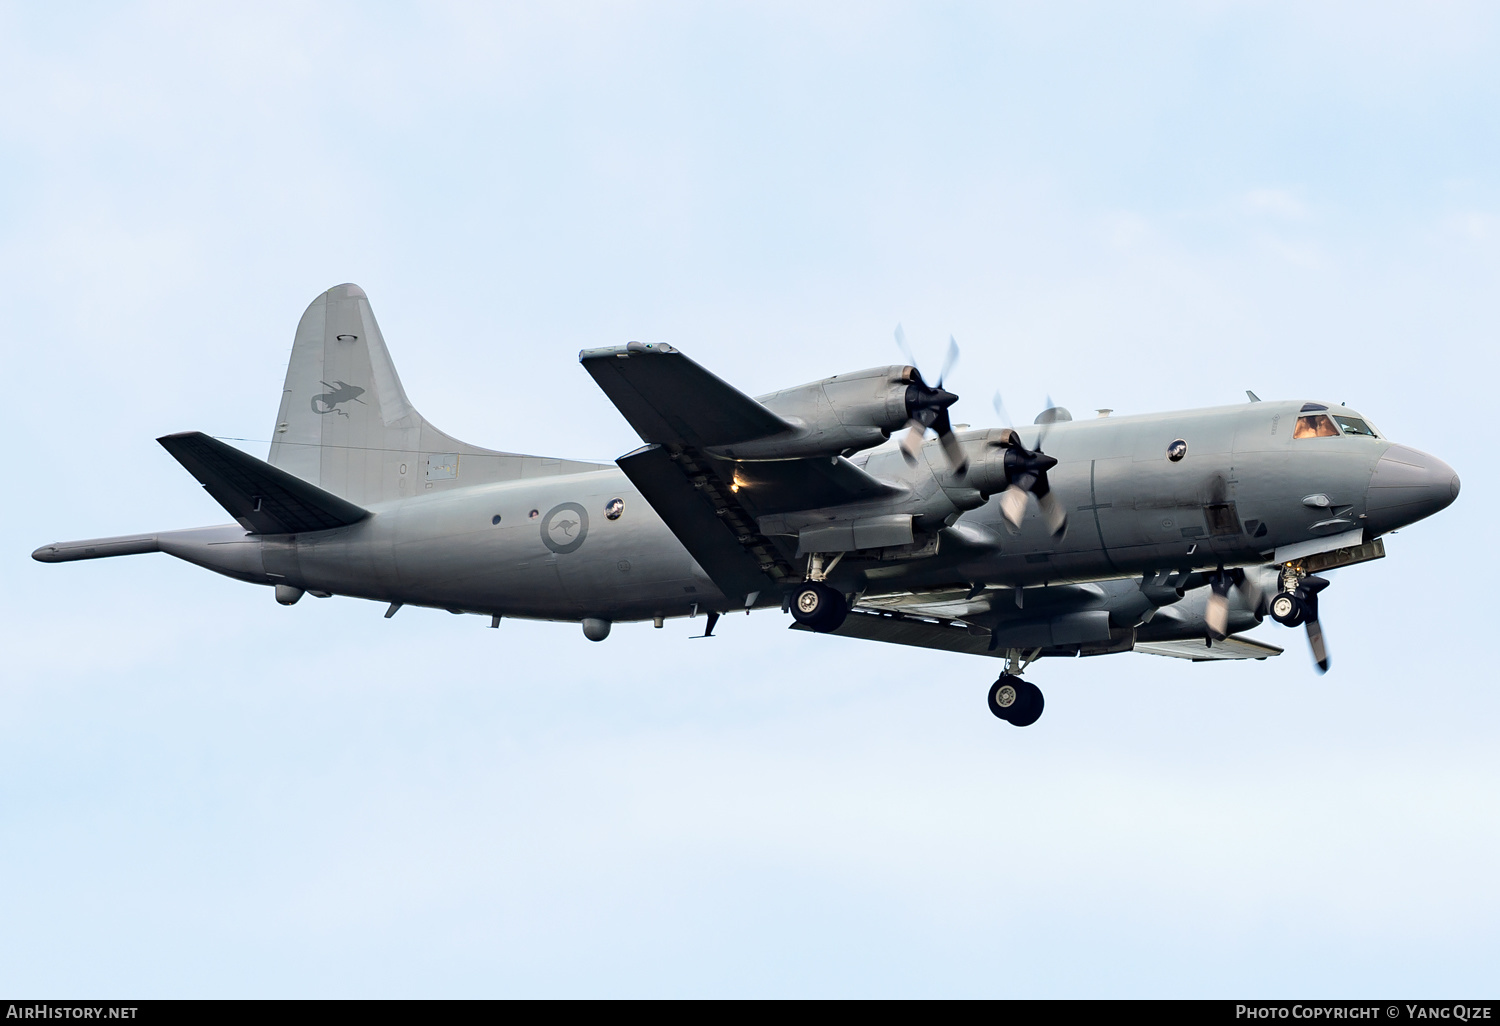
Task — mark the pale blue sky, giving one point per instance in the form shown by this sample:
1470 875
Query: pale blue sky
204 793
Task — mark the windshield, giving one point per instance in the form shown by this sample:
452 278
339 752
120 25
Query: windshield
1315 426
1354 426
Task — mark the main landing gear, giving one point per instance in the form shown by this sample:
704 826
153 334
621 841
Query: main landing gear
1016 701
816 604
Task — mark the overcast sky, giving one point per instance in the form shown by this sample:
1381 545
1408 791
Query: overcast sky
1142 207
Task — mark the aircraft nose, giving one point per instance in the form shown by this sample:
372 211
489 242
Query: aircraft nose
1408 485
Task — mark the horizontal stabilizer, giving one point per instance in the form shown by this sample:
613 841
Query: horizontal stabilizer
264 499
670 400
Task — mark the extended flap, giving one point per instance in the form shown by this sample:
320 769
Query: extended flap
734 566
1233 647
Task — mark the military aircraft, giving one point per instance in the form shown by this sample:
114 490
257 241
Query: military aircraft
852 503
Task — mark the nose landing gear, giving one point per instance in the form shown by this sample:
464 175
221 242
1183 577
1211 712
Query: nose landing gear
1296 604
1299 603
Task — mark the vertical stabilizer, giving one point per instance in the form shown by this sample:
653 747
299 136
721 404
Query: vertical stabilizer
346 425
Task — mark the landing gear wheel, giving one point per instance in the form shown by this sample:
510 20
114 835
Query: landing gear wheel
1016 701
819 607
1004 694
1287 609
1031 705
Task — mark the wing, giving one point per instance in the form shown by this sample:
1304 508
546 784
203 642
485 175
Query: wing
711 503
1066 634
901 629
670 400
952 636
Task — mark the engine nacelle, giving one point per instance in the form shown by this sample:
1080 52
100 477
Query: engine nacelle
833 417
987 472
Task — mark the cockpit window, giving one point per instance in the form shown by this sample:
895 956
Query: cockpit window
1354 426
1315 426
1312 407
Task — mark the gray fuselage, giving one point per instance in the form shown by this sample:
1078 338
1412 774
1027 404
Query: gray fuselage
546 548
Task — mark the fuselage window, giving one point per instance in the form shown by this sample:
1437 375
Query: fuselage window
1354 426
1317 426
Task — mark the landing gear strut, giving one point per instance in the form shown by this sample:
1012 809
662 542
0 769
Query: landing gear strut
1016 701
1297 603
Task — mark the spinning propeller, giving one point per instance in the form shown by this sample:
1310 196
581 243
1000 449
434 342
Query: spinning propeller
1026 470
1299 606
927 408
1217 614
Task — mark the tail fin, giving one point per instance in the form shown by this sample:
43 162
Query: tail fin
346 425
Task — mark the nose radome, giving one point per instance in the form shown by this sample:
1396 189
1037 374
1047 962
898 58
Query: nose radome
1408 485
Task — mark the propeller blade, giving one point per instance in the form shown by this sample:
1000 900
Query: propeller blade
1005 420
954 451
1217 616
911 442
948 361
951 447
1013 502
1053 513
905 349
1319 646
1250 588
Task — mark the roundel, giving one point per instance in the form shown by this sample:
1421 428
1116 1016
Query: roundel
564 527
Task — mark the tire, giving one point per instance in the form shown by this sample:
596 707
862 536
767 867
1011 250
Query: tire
817 606
1286 609
1029 708
1006 695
